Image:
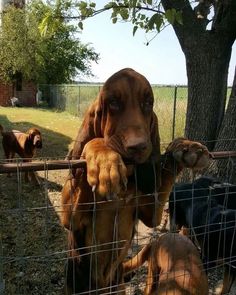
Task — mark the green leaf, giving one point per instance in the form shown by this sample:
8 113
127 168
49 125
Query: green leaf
43 26
110 5
92 4
155 21
124 13
170 15
133 3
142 16
135 29
80 24
179 17
82 5
151 22
114 14
114 20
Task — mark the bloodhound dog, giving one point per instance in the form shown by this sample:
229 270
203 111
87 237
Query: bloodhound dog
23 144
174 266
125 180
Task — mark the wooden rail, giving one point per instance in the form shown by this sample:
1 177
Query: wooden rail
223 155
41 165
7 167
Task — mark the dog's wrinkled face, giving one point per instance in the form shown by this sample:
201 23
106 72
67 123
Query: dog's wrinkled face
35 137
127 114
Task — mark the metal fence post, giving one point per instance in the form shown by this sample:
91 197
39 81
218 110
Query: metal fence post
78 102
174 112
2 282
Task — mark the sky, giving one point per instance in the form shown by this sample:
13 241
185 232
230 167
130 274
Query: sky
161 62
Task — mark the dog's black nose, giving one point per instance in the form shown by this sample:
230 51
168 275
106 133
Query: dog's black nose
136 146
39 144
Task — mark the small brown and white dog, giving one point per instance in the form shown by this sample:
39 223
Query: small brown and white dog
23 144
174 266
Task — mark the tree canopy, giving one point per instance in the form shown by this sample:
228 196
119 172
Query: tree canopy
51 57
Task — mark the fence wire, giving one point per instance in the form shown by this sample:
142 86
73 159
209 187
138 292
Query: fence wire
34 246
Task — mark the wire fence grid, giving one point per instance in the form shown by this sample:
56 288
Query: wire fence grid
34 247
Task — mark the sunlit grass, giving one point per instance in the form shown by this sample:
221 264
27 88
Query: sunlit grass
46 118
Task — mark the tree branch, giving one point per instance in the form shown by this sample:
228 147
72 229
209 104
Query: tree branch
225 17
106 8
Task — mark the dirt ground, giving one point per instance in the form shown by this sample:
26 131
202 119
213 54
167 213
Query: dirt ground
33 244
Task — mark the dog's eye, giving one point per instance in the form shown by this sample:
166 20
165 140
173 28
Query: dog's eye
114 104
147 105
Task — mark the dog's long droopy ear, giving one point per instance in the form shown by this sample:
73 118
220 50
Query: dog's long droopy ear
31 134
90 128
155 138
1 129
156 147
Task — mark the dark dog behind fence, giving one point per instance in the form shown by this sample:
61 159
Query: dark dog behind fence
48 257
207 209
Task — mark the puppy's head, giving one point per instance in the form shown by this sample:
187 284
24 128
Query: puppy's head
35 137
128 123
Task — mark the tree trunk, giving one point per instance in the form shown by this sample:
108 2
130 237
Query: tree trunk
207 52
225 169
207 65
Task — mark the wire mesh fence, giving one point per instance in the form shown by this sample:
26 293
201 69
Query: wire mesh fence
74 99
35 251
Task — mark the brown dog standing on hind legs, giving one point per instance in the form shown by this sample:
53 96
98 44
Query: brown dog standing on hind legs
119 126
23 144
174 266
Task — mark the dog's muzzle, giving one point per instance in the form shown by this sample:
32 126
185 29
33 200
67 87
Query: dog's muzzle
38 144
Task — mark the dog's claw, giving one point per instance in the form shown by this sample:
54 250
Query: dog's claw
93 188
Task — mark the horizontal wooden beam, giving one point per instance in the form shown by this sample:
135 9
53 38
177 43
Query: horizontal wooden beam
41 165
223 155
7 167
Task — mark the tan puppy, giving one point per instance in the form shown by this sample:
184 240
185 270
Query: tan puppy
23 144
174 267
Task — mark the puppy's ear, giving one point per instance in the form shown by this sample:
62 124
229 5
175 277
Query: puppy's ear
90 128
31 134
155 137
156 148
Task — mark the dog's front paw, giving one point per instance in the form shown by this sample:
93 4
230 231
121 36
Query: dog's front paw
189 154
106 171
